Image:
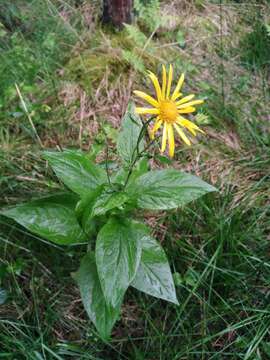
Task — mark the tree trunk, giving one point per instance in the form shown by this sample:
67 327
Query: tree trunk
117 12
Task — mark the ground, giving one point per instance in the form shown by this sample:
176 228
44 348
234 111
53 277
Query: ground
76 78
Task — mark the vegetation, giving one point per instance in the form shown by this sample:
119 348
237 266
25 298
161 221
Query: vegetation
75 79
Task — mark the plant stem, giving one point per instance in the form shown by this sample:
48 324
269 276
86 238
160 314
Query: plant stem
107 158
137 150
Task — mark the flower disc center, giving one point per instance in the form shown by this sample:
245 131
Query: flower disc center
168 111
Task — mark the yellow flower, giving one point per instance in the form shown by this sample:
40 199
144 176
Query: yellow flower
168 109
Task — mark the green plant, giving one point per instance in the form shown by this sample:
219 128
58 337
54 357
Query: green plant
148 13
256 46
102 212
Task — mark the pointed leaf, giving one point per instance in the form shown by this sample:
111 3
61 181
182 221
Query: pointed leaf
84 212
108 201
118 253
102 315
127 139
168 189
76 171
154 274
51 217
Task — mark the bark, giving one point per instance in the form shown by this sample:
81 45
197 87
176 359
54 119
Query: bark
117 12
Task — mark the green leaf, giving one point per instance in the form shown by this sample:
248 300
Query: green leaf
51 217
98 203
102 315
108 201
168 189
76 171
118 253
86 202
127 140
154 274
84 212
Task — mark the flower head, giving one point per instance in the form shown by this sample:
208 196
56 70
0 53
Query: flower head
168 109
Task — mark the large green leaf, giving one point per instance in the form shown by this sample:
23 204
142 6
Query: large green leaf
118 253
167 189
76 171
154 275
127 139
52 217
101 314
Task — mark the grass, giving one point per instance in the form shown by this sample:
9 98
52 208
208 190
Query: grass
218 247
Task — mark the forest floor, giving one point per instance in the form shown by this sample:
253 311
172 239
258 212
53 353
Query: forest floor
76 79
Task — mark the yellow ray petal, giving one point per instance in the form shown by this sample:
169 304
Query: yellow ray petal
169 82
178 87
185 99
141 110
164 138
182 134
164 81
171 140
190 129
147 98
191 103
187 110
157 125
156 85
177 96
189 125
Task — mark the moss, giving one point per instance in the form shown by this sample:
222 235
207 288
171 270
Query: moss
89 68
114 53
